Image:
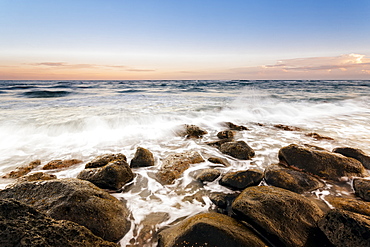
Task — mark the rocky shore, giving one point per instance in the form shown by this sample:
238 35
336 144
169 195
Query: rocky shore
267 207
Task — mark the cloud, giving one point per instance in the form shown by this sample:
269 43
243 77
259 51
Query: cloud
64 65
345 66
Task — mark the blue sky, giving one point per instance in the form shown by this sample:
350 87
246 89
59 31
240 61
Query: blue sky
178 39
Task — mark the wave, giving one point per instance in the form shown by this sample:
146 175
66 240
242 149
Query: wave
46 94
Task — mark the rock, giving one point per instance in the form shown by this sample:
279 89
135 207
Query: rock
57 164
346 229
238 149
240 180
292 180
23 170
217 144
284 217
174 165
222 200
208 229
37 176
226 134
355 153
75 200
349 204
318 137
287 128
208 175
217 160
143 157
113 176
362 188
233 126
320 162
191 131
103 160
22 225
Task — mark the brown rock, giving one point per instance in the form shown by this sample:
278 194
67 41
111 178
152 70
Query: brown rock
292 180
37 176
75 200
349 204
240 180
23 226
346 229
362 188
57 164
217 160
226 134
143 157
174 165
284 217
320 162
113 176
23 170
209 229
318 137
240 150
233 126
287 128
355 153
208 175
103 160
191 131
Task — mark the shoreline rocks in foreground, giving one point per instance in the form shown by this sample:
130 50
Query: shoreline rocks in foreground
75 200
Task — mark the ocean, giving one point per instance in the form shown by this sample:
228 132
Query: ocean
51 120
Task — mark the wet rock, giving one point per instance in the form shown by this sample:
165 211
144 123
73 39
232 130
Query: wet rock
226 134
174 165
104 159
355 153
287 128
22 225
217 144
284 217
239 149
223 201
240 180
346 229
233 126
362 188
318 136
320 162
208 229
191 131
37 176
21 171
113 176
217 160
349 204
292 180
142 158
208 175
75 200
57 164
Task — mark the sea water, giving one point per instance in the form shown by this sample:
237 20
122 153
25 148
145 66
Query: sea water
51 120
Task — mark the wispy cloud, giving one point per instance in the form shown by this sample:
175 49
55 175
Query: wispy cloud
64 65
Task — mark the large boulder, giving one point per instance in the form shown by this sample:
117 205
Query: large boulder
284 217
321 162
113 176
209 229
142 158
104 159
355 153
75 200
292 180
346 229
239 149
23 226
362 188
240 180
174 165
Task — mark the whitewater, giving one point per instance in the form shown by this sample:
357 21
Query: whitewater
56 120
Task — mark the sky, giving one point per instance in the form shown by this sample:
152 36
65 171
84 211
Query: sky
184 39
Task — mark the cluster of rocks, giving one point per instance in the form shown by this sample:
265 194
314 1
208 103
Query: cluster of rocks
267 208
